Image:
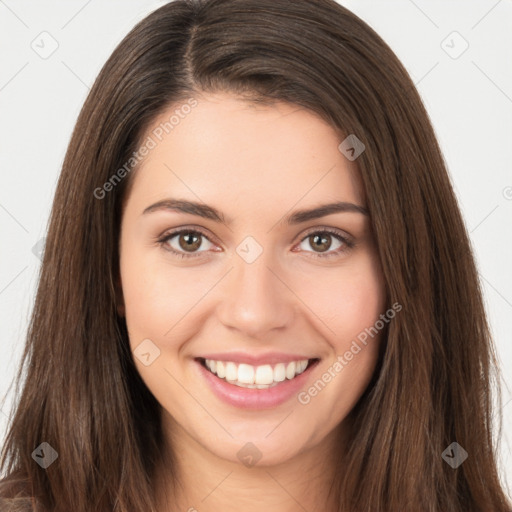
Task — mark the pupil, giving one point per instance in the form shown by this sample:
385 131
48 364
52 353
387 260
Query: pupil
189 243
323 241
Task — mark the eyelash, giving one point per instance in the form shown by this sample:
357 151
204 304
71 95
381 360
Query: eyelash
348 244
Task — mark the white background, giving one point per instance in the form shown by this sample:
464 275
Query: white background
469 99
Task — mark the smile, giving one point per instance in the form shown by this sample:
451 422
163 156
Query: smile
256 377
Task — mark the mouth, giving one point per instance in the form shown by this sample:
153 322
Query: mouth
259 377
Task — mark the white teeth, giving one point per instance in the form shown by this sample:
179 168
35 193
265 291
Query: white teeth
260 377
221 369
279 372
246 374
264 374
231 371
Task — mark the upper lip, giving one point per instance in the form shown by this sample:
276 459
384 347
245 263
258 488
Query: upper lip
256 360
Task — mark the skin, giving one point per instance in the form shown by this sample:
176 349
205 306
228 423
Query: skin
256 165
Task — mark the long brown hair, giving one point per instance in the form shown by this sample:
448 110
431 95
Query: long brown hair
433 386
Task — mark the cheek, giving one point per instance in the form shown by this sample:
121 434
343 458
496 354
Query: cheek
159 296
347 300
350 304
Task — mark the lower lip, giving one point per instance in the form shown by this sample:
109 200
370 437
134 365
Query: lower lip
247 398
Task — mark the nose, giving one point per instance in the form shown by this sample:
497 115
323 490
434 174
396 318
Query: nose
256 298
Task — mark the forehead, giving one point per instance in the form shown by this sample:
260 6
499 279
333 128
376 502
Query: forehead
225 150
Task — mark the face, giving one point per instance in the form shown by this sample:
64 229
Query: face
246 281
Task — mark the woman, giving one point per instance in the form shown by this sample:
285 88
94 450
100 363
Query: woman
257 289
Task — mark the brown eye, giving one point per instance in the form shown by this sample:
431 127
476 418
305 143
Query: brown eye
189 241
186 243
326 243
321 242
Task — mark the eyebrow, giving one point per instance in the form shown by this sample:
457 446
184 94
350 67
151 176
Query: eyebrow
211 213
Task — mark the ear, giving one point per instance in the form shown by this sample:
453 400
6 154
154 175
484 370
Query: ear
119 297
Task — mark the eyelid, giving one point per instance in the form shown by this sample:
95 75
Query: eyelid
188 229
326 229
